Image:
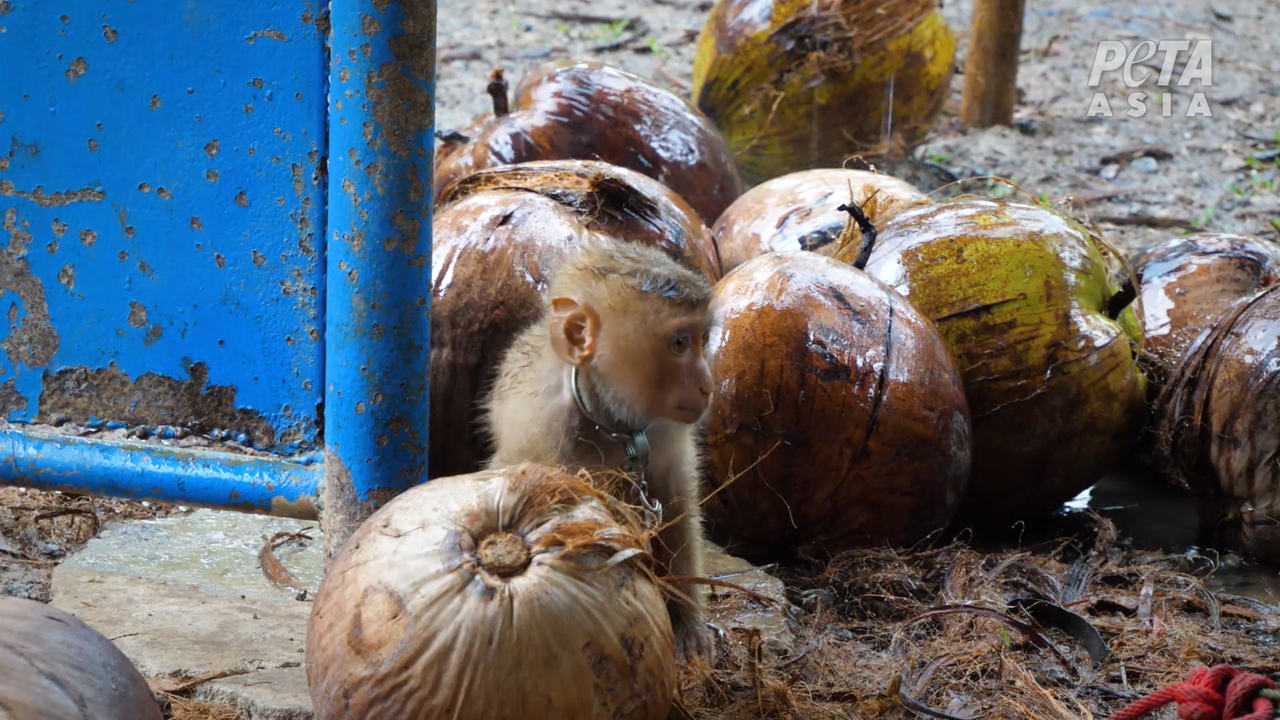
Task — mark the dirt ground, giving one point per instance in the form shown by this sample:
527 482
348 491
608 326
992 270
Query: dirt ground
1199 176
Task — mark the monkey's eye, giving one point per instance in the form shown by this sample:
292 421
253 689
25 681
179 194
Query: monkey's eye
680 343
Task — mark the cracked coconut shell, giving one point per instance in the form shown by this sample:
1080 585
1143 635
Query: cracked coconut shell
798 211
498 236
799 84
53 666
838 418
1045 339
1189 282
502 595
1218 426
590 111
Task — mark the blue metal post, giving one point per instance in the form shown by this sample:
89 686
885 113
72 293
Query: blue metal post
381 123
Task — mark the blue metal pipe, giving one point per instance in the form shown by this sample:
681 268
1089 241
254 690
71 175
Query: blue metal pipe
377 344
148 472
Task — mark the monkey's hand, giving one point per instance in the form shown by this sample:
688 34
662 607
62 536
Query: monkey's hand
693 637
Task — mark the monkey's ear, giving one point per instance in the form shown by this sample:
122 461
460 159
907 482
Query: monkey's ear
575 330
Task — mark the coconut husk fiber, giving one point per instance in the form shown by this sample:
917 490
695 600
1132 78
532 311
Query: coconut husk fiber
952 632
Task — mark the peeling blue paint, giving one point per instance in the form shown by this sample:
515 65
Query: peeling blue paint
162 182
147 472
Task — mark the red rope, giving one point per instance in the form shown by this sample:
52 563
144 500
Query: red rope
1221 692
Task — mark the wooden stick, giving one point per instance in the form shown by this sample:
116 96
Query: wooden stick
991 72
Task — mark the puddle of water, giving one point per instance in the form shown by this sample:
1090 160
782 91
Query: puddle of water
1161 519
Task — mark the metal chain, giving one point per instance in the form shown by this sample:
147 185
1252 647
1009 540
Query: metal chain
636 447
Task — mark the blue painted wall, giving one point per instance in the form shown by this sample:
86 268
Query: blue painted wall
162 212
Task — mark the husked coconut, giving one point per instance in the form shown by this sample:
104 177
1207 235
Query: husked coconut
509 594
53 666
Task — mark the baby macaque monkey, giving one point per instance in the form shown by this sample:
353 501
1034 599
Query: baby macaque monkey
615 370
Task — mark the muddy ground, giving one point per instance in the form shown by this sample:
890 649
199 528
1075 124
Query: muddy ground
1198 177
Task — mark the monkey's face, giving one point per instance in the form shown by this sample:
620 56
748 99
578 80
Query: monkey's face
656 366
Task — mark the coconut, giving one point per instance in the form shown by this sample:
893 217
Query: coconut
800 211
507 594
1218 430
498 236
1189 282
1044 335
591 111
799 84
53 666
838 418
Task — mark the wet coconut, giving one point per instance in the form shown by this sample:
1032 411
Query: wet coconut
801 211
1187 285
1046 339
838 418
590 111
1218 429
498 236
799 84
501 595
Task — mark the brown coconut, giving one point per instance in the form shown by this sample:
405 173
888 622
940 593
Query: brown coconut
498 236
1189 282
1218 430
1046 338
586 110
53 666
838 418
502 595
800 211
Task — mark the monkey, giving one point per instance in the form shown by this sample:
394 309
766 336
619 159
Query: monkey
617 365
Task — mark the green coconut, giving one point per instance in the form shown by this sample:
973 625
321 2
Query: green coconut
800 84
1047 341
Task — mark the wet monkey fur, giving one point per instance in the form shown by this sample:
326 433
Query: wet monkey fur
620 349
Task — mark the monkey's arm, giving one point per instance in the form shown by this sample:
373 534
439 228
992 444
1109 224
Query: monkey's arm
679 546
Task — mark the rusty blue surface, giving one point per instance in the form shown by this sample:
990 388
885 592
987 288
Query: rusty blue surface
130 470
162 199
379 250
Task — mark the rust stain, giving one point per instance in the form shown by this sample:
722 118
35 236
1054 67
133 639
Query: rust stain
123 256
155 102
257 82
52 247
67 276
78 67
88 237
122 216
33 341
220 261
144 187
196 224
109 33
57 199
259 259
78 393
242 199
212 148
211 175
273 34
137 314
59 228
248 108
5 7
304 508
369 25
164 193
10 399
153 334
93 145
